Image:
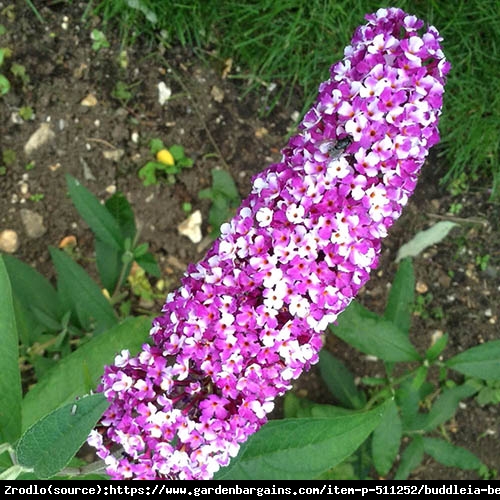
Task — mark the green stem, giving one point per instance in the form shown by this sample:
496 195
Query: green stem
123 271
390 389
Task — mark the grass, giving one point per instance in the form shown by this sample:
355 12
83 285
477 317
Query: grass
292 43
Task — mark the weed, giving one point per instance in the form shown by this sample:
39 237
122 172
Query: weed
19 71
455 208
122 92
26 113
8 157
99 40
169 162
4 82
225 198
482 261
37 197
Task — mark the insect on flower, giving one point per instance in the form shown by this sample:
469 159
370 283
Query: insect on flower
335 149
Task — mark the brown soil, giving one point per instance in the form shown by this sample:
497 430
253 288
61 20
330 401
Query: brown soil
63 69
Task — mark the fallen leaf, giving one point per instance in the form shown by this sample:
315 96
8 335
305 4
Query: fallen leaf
228 64
191 227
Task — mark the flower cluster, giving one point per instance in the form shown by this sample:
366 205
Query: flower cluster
248 317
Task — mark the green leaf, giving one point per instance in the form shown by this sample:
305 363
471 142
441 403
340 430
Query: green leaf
10 380
109 264
482 361
488 395
80 294
410 458
48 446
224 184
444 407
373 335
4 85
451 455
401 297
425 239
140 250
185 162
177 152
340 381
156 145
205 194
79 372
437 348
97 216
420 376
295 407
408 397
147 173
33 290
386 439
119 207
149 264
301 448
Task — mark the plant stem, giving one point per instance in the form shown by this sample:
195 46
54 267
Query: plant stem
389 390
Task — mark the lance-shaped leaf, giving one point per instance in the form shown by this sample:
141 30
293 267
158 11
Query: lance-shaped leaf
482 361
451 455
49 445
340 381
10 379
373 335
444 407
301 448
97 216
410 458
34 291
81 295
79 372
386 439
401 297
425 239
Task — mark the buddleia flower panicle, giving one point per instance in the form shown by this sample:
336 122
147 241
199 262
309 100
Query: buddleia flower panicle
247 319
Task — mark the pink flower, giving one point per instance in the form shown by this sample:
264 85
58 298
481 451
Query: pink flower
247 319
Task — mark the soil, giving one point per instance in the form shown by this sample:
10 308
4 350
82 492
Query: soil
218 127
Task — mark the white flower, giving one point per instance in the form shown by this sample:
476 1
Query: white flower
264 216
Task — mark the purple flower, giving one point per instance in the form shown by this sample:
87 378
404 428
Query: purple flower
247 319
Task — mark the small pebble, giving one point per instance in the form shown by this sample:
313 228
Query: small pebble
421 287
9 241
